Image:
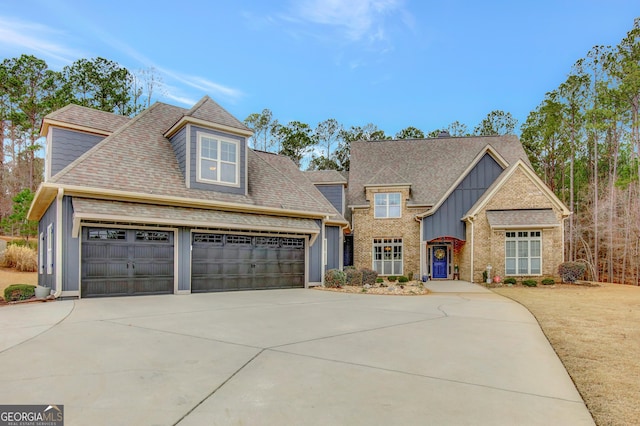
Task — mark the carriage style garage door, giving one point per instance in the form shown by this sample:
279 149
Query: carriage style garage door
222 262
120 262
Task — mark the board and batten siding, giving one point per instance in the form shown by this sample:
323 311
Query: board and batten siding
70 249
193 153
446 222
44 278
68 145
179 145
333 247
335 195
315 257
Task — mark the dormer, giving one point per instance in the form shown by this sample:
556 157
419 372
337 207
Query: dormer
72 131
211 148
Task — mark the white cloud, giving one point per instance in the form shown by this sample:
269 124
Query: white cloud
357 19
37 38
204 85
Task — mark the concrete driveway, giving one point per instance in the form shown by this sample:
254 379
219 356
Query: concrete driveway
459 356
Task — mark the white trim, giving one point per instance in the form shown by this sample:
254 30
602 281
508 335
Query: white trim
516 239
50 249
41 245
387 205
219 140
187 168
393 261
206 124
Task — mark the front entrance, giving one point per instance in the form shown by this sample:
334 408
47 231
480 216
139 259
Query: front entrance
440 262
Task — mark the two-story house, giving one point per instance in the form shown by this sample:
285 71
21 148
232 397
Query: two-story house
174 201
449 207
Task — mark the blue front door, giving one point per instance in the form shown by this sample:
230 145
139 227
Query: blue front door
440 262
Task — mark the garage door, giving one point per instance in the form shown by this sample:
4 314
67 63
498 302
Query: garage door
222 262
120 262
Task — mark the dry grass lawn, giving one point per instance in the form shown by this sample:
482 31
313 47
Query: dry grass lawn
596 333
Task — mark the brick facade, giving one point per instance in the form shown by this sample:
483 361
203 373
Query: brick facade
519 192
366 227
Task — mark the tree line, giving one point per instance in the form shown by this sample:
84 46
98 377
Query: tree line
584 141
29 90
327 145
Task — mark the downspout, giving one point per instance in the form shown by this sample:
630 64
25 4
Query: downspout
422 259
58 257
472 248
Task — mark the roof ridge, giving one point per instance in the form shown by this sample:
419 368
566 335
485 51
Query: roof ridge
104 141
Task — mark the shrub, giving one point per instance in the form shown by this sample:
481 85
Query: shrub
571 271
379 280
392 278
19 292
403 279
32 244
548 281
510 280
353 276
369 276
24 259
530 283
335 278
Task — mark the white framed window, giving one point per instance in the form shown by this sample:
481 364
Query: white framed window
41 254
218 160
387 205
50 249
387 256
523 253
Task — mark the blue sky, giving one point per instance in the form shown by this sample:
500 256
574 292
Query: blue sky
394 63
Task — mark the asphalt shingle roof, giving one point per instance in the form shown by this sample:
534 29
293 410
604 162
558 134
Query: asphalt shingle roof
325 176
208 110
180 215
431 166
138 158
89 117
521 217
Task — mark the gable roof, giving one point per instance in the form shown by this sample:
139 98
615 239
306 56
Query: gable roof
326 177
83 118
137 162
208 110
504 178
209 114
430 166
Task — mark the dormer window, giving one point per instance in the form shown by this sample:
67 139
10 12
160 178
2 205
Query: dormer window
387 205
218 160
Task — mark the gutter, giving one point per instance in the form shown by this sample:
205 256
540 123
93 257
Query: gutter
48 190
